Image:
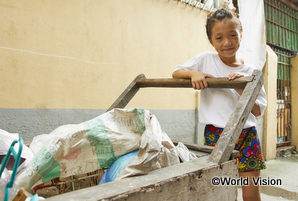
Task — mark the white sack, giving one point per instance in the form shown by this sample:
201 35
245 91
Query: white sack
95 144
156 151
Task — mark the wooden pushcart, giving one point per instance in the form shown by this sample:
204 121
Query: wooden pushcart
190 180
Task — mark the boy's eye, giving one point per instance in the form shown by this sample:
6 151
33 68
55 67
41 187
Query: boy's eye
218 38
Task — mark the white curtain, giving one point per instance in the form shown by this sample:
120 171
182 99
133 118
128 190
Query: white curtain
253 45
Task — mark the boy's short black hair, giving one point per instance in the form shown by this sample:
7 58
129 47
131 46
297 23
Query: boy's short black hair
219 15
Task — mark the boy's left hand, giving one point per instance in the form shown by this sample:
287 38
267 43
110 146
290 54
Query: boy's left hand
232 76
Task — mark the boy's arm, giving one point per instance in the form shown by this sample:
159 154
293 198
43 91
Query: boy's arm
256 110
197 78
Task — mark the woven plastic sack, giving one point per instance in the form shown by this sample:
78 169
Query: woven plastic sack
89 146
156 151
183 153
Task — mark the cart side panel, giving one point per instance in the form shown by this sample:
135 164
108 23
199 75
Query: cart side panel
184 181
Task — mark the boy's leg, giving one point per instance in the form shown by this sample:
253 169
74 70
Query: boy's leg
251 192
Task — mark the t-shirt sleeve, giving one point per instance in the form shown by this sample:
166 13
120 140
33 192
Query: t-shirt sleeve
194 63
262 101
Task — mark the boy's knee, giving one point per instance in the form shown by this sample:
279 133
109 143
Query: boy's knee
251 197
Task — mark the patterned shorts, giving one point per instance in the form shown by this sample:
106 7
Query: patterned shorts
248 144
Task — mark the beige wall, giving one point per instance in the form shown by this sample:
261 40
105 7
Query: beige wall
269 123
294 94
82 54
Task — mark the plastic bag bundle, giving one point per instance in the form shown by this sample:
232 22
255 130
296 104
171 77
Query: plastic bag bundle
4 179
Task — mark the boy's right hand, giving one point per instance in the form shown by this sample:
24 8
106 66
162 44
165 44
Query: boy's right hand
198 80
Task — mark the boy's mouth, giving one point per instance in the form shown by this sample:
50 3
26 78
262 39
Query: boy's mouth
228 49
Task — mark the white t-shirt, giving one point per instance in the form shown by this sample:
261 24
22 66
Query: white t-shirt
217 105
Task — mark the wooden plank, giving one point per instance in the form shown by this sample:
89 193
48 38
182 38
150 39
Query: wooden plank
279 123
141 81
288 123
226 143
206 149
282 143
21 195
127 94
282 120
221 82
290 4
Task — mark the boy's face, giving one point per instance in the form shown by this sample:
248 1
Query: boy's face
225 38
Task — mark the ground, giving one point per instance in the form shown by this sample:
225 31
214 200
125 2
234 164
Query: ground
284 168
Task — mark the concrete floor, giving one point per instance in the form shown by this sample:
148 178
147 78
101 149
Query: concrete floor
286 169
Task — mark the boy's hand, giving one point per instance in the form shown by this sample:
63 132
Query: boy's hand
198 80
232 76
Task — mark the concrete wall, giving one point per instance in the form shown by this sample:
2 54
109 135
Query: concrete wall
67 61
269 122
81 55
294 99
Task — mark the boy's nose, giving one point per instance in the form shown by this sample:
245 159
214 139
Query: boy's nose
227 42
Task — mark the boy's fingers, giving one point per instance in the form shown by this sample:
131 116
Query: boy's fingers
199 85
205 84
202 85
208 75
195 85
233 76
